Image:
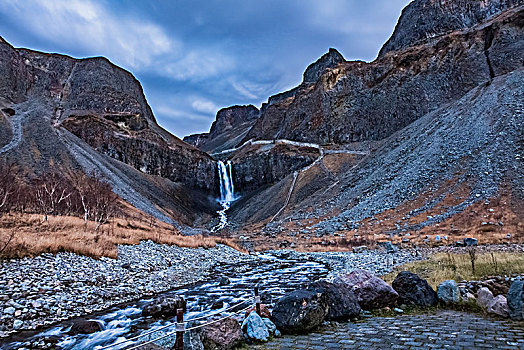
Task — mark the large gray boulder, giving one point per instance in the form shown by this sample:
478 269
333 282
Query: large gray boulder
515 300
448 292
343 303
300 311
484 297
192 338
371 291
414 290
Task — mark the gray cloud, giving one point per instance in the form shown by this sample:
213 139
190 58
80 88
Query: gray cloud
196 56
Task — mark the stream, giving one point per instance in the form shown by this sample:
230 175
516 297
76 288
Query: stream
275 276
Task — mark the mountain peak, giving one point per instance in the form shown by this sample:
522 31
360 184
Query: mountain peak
329 60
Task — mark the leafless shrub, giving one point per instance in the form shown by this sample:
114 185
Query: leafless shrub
8 184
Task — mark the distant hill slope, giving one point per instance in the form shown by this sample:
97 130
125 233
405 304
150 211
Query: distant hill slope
442 119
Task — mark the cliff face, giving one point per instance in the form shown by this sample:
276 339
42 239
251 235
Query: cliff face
357 101
258 166
230 126
329 60
423 21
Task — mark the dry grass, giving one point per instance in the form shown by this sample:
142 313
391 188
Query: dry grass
33 236
449 266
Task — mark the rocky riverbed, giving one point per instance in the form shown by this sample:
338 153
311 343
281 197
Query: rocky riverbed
50 288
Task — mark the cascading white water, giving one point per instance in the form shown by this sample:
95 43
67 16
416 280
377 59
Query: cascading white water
227 191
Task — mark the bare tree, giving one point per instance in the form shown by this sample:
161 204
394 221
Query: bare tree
105 204
4 245
97 200
52 190
8 184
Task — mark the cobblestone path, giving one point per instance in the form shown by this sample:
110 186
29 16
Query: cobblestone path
444 330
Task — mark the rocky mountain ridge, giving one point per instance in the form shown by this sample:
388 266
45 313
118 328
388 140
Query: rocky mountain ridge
441 118
86 113
423 21
358 101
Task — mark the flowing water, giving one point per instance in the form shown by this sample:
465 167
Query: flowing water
274 275
227 192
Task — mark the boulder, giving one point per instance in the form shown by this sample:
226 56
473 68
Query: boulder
271 327
470 242
254 328
84 327
448 292
484 297
264 311
217 305
371 291
499 306
360 249
343 303
223 335
164 306
516 300
414 290
300 311
192 338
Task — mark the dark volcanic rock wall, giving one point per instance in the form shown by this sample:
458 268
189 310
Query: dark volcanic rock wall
105 106
357 101
423 20
230 126
144 150
261 166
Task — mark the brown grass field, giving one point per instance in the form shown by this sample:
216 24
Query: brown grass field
32 236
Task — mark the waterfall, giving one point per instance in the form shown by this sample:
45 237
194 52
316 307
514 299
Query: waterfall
227 191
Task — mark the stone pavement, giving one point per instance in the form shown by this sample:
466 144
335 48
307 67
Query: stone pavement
443 330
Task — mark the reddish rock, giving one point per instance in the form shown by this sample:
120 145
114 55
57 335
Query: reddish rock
263 310
371 291
222 335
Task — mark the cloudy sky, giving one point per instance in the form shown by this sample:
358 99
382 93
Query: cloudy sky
194 57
